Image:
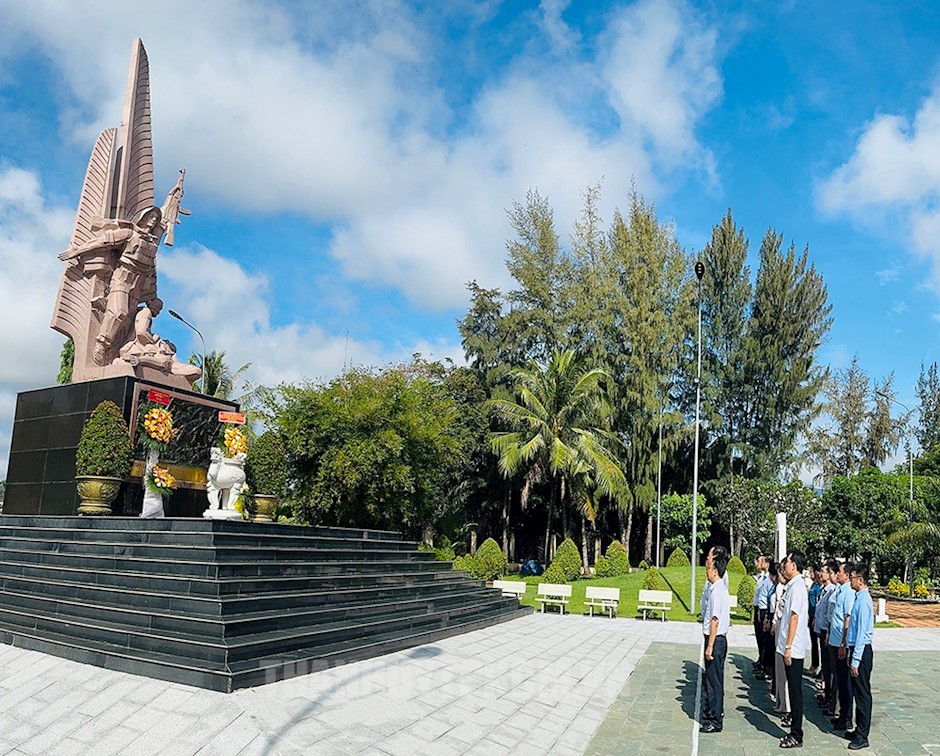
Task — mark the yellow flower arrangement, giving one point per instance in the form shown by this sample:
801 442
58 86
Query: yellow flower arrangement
160 481
235 440
158 428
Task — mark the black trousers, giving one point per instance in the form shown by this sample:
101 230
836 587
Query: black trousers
713 709
861 687
795 689
844 683
814 644
759 633
832 683
824 660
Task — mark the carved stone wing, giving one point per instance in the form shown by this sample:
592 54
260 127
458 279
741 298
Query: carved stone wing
95 200
135 142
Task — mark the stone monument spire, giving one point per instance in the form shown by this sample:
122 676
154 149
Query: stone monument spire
110 269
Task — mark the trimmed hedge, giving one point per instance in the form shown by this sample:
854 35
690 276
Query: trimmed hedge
568 560
617 555
603 568
554 574
490 561
746 592
678 559
643 566
735 565
652 580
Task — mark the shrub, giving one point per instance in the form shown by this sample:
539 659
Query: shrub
465 563
490 561
617 555
602 567
921 576
104 447
652 581
921 591
445 550
568 560
746 592
266 465
736 566
897 588
554 574
678 559
643 566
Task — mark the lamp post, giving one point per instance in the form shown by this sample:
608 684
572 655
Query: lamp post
181 319
699 274
910 457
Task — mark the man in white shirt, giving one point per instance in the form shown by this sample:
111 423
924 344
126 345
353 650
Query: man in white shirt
716 619
793 643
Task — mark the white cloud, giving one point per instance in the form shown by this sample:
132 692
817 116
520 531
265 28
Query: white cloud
337 112
894 172
31 235
888 275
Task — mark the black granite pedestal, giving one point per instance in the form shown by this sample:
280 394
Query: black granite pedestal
48 423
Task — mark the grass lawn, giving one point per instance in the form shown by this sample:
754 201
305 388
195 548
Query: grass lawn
677 580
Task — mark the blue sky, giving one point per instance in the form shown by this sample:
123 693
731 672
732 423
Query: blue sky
349 164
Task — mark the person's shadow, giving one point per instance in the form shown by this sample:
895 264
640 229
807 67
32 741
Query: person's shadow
751 695
687 686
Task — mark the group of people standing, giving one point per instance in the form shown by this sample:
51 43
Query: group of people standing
827 614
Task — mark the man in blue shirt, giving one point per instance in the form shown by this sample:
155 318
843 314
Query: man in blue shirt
840 607
858 637
758 610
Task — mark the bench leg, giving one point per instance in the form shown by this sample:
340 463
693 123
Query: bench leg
590 611
644 615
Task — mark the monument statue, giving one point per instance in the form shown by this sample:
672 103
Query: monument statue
111 259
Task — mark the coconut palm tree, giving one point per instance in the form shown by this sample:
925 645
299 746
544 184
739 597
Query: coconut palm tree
218 380
558 433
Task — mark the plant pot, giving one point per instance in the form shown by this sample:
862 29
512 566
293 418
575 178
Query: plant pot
97 493
263 509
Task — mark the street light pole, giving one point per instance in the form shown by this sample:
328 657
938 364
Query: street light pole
699 274
910 458
659 481
181 319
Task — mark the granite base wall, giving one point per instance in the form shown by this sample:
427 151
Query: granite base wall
48 423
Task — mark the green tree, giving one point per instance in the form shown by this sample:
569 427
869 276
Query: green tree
557 425
372 448
928 395
859 431
726 297
857 508
677 522
790 317
649 302
218 379
66 362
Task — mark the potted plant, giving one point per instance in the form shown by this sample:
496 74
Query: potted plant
103 459
266 470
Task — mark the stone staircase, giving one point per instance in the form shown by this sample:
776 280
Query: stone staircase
226 605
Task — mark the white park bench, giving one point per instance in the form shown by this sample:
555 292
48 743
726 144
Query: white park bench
605 599
553 593
511 587
734 602
655 601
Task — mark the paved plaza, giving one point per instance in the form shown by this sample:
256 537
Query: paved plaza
537 685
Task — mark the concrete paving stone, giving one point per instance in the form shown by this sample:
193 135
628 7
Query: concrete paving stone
487 747
47 736
428 728
401 744
467 732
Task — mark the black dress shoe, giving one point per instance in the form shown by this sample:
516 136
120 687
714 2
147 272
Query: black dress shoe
858 744
710 727
850 735
839 723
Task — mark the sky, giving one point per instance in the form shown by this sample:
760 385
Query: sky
349 164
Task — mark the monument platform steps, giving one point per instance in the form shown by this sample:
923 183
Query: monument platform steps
220 619
323 576
220 641
261 670
237 604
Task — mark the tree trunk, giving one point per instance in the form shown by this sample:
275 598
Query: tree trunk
473 542
585 567
629 532
731 538
648 555
506 504
512 545
554 544
597 546
547 557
